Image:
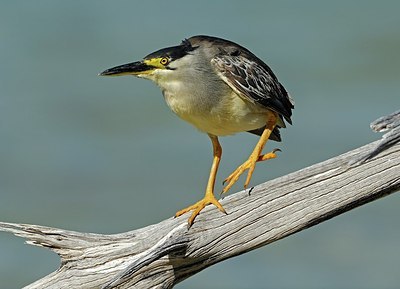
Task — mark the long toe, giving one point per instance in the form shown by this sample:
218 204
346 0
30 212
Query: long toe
199 206
235 175
249 164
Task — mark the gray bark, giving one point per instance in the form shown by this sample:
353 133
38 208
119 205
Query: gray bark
161 255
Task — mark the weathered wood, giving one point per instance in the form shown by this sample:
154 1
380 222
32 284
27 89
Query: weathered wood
164 254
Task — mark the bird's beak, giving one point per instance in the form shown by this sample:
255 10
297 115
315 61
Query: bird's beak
135 68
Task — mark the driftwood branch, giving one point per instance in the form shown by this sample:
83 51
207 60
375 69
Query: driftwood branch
164 254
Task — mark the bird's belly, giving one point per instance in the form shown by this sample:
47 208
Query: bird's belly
223 116
227 125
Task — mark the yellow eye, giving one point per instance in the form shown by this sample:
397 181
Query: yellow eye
164 61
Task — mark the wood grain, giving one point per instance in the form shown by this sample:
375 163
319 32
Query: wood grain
161 255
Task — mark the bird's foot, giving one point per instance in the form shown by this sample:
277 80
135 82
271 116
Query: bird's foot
249 164
209 198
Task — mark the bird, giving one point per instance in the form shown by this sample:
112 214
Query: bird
221 88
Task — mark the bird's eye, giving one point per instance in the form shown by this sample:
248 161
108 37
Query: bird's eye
164 61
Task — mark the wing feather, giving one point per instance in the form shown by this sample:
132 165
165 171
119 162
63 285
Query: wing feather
253 80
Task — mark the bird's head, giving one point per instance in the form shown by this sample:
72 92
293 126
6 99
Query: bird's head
157 64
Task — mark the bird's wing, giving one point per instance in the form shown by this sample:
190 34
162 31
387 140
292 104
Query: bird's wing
254 82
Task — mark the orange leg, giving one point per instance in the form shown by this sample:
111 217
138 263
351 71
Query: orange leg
209 197
255 156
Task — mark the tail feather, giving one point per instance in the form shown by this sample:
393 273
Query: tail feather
275 135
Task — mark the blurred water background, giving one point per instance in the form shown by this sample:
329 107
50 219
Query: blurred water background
106 155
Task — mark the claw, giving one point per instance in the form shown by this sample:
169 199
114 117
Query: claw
199 206
251 189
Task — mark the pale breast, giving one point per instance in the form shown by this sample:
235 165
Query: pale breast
216 114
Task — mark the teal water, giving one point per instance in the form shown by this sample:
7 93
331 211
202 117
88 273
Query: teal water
106 155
